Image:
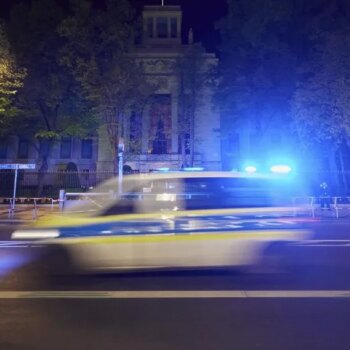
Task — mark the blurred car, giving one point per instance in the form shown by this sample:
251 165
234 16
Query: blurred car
172 220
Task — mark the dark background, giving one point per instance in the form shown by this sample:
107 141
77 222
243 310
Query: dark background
200 15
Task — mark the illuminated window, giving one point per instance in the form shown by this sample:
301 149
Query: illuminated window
86 149
173 27
23 149
160 143
66 147
3 149
162 27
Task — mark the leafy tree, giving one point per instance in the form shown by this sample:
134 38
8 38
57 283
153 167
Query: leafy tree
50 102
11 78
321 101
263 42
100 55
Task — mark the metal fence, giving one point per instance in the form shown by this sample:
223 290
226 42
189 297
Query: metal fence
33 184
36 184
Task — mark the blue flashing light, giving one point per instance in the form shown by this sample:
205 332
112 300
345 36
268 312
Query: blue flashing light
193 169
281 169
163 169
250 169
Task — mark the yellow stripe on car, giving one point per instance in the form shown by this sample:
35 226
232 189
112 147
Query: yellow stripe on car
152 238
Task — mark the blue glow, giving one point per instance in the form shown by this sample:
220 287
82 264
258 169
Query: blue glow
250 169
163 169
281 169
194 169
10 263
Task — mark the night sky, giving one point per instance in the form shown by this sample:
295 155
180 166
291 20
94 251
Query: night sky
201 15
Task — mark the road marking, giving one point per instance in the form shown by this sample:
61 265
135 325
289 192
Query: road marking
234 294
15 244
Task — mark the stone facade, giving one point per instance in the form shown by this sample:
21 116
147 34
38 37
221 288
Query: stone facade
160 49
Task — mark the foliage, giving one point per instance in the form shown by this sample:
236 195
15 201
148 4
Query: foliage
11 78
99 53
257 66
50 103
321 100
273 71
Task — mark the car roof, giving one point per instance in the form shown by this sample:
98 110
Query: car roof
129 179
131 182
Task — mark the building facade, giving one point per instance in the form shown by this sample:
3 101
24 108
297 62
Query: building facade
158 128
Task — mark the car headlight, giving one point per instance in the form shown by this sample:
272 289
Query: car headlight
35 234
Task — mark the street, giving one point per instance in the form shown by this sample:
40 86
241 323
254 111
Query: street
206 309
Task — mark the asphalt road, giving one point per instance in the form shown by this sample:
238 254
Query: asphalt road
217 309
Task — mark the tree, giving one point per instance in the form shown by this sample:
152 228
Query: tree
51 102
263 43
321 101
100 55
11 78
194 74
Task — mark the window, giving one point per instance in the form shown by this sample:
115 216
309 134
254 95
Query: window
160 125
160 143
217 193
150 27
23 149
86 149
66 147
124 206
3 149
173 27
162 27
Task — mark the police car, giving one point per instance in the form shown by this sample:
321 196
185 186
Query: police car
171 220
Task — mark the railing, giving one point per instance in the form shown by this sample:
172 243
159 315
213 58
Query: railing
310 205
35 184
34 202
